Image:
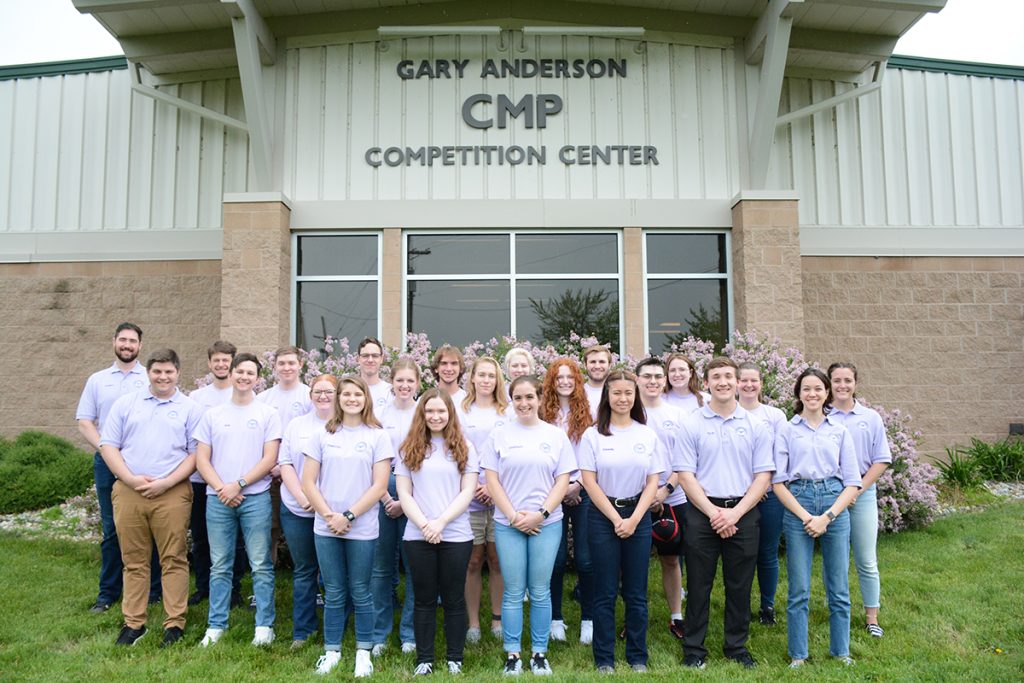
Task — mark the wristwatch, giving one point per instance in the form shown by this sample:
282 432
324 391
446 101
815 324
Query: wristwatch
831 517
545 513
349 515
242 483
670 487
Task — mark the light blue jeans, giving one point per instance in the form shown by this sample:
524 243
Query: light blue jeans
345 567
864 539
526 563
816 496
385 577
222 524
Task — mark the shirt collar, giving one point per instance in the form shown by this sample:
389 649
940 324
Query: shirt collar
175 397
738 414
857 409
136 369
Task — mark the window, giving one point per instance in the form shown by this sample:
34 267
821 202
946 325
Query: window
687 288
460 287
337 288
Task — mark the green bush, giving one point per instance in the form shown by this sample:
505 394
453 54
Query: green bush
39 470
960 471
1000 461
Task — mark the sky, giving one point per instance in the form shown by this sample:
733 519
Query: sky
968 30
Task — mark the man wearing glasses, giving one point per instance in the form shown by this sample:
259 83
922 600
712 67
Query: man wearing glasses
370 355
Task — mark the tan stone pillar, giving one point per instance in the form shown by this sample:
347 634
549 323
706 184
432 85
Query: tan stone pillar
391 288
766 270
255 300
633 291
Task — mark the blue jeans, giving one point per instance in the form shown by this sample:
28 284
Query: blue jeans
864 539
345 566
768 550
298 531
626 559
222 524
111 567
577 514
385 577
816 497
526 563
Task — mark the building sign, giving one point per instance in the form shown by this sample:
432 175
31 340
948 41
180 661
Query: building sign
482 111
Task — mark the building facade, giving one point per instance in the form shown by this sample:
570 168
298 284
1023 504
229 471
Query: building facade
264 174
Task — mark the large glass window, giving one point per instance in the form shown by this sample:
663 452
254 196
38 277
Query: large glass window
687 288
337 290
460 287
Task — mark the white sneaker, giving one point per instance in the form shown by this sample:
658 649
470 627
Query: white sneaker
558 630
424 669
408 647
264 636
211 637
378 649
364 665
586 632
454 668
328 660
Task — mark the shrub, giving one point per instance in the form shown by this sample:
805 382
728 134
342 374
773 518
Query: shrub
1000 461
40 470
961 470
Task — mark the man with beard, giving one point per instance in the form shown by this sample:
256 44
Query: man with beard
125 376
597 360
219 357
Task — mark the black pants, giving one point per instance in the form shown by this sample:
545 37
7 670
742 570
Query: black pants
438 569
703 546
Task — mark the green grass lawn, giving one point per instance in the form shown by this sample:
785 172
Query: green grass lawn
953 609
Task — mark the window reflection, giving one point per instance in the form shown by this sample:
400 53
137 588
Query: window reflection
458 311
539 254
548 310
677 308
336 309
685 253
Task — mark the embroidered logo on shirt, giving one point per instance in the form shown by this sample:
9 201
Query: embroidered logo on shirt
297 407
361 446
173 415
498 423
639 448
252 424
740 431
546 447
863 425
834 437
138 384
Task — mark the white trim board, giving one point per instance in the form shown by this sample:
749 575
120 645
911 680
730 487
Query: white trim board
911 241
111 245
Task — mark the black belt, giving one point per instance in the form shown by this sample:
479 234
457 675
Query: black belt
624 502
725 502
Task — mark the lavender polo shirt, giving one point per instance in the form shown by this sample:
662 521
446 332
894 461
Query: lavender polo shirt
772 417
665 420
594 397
236 436
106 386
208 397
382 396
527 460
288 404
396 423
688 404
154 435
477 424
296 436
623 460
802 452
346 460
434 486
868 432
723 452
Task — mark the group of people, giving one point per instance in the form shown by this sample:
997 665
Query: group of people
500 471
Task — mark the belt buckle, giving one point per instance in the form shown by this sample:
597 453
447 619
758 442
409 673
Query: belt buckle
618 502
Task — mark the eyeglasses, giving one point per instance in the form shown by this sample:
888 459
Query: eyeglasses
324 392
371 356
647 377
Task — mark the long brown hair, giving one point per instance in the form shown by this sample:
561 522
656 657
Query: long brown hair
417 443
500 396
604 409
367 416
693 385
579 406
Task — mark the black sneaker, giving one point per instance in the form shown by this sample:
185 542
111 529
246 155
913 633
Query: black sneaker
171 635
694 662
196 599
513 666
155 599
129 635
539 664
675 627
767 616
99 607
744 659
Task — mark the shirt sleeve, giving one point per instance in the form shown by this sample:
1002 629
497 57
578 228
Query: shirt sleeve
658 459
87 408
880 450
314 446
284 454
489 453
587 451
204 429
848 460
195 416
763 457
113 428
272 429
401 470
473 459
382 449
686 447
782 455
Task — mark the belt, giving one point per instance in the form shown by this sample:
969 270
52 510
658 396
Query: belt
624 502
725 502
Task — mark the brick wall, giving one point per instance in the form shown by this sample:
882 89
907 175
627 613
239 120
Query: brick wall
57 321
939 338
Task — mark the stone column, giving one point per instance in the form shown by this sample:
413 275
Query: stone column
633 287
256 272
391 288
767 274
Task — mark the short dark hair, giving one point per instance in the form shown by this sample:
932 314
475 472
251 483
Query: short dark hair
288 351
246 358
163 356
650 360
526 379
370 340
720 362
221 346
128 326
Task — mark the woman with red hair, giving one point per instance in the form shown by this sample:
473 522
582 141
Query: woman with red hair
564 404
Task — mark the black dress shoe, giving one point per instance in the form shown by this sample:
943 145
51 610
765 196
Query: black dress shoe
99 607
171 635
196 598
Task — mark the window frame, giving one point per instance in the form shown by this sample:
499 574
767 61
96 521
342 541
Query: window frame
297 279
512 277
648 276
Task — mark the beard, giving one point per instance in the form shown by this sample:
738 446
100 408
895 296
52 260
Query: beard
126 355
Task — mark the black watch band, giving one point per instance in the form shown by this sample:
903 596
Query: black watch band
545 513
349 515
670 487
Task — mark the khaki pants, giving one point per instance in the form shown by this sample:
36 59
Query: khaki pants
140 523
